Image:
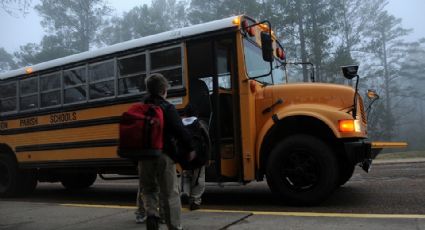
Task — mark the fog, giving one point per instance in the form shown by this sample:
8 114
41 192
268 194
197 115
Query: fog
385 37
23 28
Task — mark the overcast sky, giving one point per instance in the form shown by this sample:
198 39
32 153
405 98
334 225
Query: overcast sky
17 31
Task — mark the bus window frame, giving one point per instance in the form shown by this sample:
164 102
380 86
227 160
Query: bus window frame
85 84
113 78
270 74
60 89
181 66
37 93
5 82
84 66
119 77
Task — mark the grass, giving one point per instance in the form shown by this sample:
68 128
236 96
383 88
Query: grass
402 155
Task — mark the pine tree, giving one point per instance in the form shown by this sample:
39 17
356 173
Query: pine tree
79 21
144 20
385 43
6 61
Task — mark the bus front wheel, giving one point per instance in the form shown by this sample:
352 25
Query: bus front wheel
346 172
78 180
15 182
302 170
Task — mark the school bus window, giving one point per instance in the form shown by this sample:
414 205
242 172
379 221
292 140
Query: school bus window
29 94
174 76
131 74
50 81
101 71
29 86
50 94
101 79
75 94
75 85
8 97
102 89
168 62
132 65
134 84
166 58
75 76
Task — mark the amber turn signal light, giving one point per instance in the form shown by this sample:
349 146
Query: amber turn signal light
347 126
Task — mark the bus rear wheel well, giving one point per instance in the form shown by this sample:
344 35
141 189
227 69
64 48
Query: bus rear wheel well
291 126
5 149
14 181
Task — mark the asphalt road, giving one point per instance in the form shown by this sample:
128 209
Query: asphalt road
387 189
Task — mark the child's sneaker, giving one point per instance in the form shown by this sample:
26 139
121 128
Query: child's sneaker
194 206
140 218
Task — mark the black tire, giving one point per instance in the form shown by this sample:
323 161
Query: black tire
302 170
15 182
346 172
29 182
78 180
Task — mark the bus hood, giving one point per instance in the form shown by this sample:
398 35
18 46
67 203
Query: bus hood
338 96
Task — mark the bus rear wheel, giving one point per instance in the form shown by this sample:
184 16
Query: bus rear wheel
78 180
15 182
302 170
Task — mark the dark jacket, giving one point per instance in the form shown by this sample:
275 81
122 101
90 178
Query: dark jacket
173 127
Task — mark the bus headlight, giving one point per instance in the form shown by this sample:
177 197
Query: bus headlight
349 126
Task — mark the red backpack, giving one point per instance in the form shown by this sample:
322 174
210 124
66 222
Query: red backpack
141 132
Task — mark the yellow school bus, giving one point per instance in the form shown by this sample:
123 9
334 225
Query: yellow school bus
59 119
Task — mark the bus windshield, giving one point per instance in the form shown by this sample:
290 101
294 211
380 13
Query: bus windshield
256 66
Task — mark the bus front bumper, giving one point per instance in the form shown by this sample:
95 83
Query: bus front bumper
363 152
360 152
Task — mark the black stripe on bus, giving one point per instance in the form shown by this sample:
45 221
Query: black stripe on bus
68 145
110 163
72 124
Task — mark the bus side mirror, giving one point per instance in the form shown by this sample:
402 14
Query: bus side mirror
350 71
266 45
